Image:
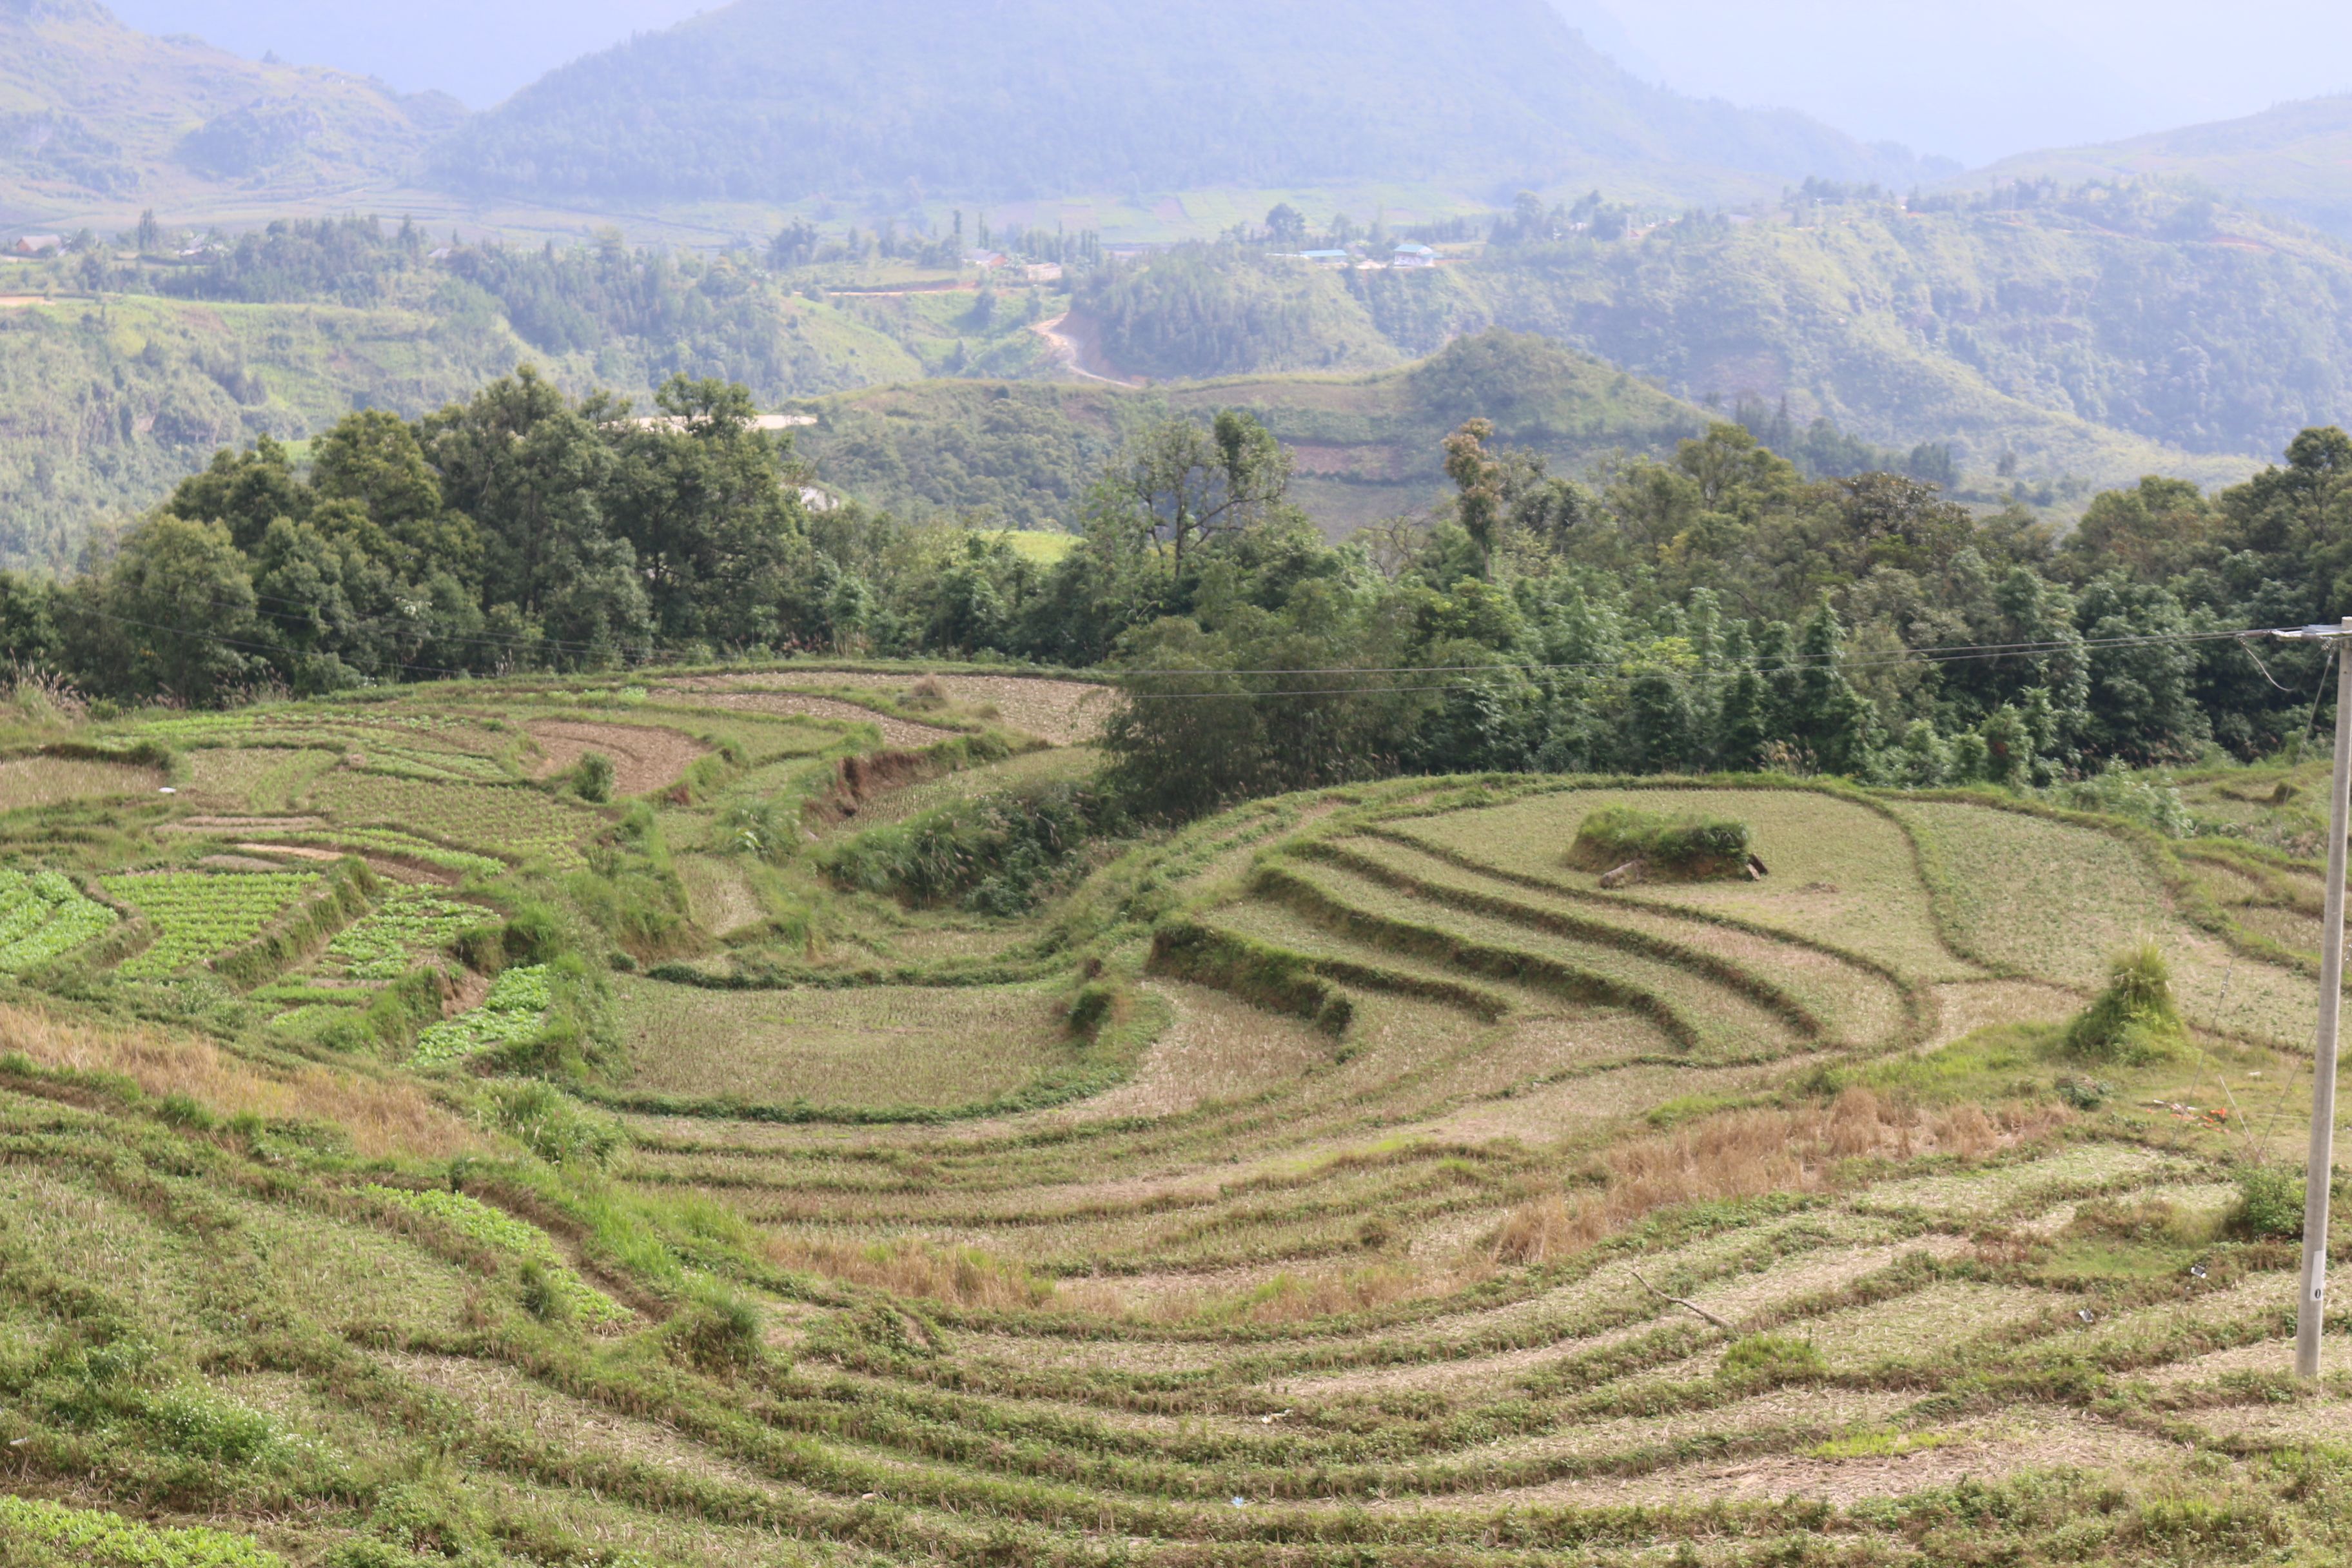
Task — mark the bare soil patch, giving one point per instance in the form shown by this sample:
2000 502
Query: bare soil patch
643 758
1218 1048
238 863
1066 712
706 692
1965 1007
382 864
2033 1440
717 895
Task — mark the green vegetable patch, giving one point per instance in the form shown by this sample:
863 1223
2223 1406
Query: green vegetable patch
515 1010
199 914
110 1540
45 916
384 945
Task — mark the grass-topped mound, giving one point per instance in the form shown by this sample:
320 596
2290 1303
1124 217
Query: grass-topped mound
2135 1019
1629 844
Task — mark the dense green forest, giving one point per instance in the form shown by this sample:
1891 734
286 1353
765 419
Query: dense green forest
784 99
1711 609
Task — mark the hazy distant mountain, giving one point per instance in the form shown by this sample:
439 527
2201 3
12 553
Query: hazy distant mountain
506 46
2294 160
94 114
783 99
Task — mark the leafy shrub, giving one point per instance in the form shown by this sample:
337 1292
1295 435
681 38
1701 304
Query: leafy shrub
181 1111
1681 844
543 1295
592 777
997 855
2084 1093
2135 1020
551 1124
2118 791
2270 1202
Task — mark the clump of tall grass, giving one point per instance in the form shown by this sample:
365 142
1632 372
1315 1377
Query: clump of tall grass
38 695
2135 1020
964 1275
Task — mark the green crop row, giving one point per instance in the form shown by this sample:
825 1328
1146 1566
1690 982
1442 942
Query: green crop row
110 1540
197 914
383 945
494 1228
515 1010
43 917
509 818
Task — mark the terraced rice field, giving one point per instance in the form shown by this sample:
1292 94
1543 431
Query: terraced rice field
1344 1180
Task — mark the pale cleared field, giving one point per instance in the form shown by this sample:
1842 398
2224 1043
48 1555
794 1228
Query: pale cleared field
866 1047
1841 873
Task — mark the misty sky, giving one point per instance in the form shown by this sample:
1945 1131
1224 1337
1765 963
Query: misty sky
1972 80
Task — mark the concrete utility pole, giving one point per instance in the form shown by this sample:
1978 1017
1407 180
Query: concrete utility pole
2310 1305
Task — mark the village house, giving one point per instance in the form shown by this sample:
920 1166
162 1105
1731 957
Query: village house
1413 255
38 245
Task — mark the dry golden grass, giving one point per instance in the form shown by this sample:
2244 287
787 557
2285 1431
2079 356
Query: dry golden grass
905 1267
1748 1153
50 781
382 1117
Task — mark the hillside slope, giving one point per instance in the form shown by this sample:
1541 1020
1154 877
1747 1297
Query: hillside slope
1365 447
1338 1169
95 113
2102 333
2294 160
784 99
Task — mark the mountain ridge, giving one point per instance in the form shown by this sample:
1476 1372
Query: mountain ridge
775 100
93 113
2293 159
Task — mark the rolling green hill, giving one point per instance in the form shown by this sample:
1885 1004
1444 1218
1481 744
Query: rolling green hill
907 102
94 114
2293 161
